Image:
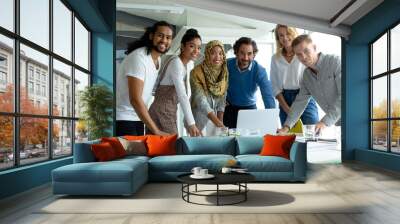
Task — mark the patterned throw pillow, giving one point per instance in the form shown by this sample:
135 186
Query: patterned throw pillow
133 147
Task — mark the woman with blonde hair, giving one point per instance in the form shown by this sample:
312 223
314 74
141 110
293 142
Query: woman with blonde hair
209 84
286 75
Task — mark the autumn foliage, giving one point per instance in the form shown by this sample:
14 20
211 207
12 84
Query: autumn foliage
380 128
33 131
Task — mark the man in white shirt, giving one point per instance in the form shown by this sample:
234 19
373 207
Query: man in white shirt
136 78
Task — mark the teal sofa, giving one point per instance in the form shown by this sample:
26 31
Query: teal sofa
125 176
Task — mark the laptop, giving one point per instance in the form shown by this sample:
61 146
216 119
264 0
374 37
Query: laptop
258 122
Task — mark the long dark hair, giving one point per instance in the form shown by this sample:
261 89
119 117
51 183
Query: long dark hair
144 40
190 35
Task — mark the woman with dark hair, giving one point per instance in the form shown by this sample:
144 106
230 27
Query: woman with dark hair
170 88
209 82
136 78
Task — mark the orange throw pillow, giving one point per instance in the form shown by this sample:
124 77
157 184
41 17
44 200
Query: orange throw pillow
116 145
161 145
277 145
135 137
103 152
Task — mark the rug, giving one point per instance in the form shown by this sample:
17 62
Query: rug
167 198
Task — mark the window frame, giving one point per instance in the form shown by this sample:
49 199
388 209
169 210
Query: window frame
16 114
388 74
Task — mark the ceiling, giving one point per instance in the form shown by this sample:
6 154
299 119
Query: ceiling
228 19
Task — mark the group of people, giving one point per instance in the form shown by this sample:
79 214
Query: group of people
220 87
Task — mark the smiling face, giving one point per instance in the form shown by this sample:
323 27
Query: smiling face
161 39
191 49
216 55
245 55
285 39
307 53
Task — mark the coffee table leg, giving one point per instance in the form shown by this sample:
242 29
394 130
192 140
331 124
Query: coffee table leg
217 194
245 191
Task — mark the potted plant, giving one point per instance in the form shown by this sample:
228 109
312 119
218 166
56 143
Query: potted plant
96 102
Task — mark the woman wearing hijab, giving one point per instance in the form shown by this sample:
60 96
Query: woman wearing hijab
170 88
209 83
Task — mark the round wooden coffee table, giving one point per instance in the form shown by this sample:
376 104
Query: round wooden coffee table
238 179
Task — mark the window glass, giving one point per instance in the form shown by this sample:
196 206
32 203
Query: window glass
62 91
34 144
62 29
62 138
7 14
379 56
379 135
395 47
34 21
395 136
6 74
395 95
379 97
39 62
81 45
81 81
81 131
6 142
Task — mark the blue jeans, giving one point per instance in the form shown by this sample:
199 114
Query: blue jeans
310 114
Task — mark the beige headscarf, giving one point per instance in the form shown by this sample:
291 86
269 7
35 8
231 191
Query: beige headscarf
213 77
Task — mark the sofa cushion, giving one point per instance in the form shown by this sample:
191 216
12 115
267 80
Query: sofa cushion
185 163
103 152
116 145
111 171
134 147
277 145
161 145
205 145
249 145
257 163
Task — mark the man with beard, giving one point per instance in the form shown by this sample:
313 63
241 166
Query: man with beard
245 74
136 78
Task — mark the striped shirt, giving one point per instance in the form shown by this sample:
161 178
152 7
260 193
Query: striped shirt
325 87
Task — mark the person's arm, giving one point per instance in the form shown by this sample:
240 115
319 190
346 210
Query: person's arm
265 88
176 72
334 112
177 75
214 118
135 86
221 104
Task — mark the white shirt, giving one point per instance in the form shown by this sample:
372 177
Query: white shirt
285 75
140 65
175 75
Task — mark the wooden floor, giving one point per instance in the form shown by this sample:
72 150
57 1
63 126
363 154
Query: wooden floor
379 189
